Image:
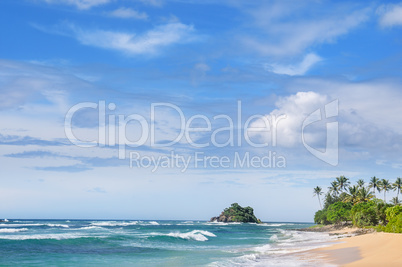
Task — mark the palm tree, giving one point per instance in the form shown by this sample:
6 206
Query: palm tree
364 195
342 182
360 183
352 195
398 185
334 189
375 184
395 201
318 192
386 186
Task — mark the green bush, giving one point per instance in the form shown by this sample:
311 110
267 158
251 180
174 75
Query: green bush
329 199
381 206
394 225
364 214
394 217
320 217
339 212
392 212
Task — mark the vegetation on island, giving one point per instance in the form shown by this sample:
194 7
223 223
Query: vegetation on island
236 213
359 205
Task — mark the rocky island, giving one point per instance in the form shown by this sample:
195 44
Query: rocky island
236 213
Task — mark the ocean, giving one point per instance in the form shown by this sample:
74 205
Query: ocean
155 243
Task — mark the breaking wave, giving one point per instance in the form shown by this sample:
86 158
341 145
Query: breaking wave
197 235
13 230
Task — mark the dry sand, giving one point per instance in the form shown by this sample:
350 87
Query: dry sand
374 249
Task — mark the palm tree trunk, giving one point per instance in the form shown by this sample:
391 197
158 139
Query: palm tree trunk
385 199
319 201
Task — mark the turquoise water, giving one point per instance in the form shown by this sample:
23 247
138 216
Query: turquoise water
153 243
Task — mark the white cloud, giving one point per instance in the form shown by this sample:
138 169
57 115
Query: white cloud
127 13
390 15
296 108
148 43
376 102
299 69
284 31
80 4
22 83
369 125
368 115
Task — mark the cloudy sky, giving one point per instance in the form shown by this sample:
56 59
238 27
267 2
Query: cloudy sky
92 91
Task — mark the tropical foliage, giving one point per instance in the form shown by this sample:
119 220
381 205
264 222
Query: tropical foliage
375 184
320 217
353 194
342 182
237 213
318 192
334 188
360 183
386 186
395 201
364 195
339 212
398 186
394 217
364 214
358 204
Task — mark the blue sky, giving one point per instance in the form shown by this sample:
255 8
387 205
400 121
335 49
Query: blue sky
203 57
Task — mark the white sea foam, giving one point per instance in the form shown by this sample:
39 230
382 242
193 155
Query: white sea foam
12 230
104 223
216 223
197 235
33 224
263 248
274 238
88 228
257 260
46 236
57 225
275 224
289 237
206 233
281 251
127 223
114 223
20 224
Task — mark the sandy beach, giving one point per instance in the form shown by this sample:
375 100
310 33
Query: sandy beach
374 249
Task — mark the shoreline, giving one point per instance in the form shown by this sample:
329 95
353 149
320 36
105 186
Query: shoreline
359 247
338 230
